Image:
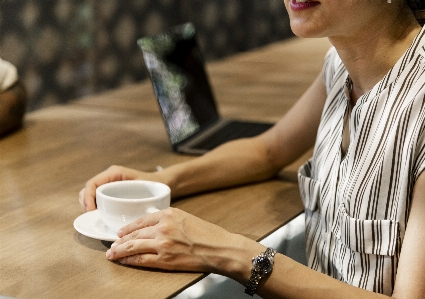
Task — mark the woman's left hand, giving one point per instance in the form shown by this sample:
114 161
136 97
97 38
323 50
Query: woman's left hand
172 239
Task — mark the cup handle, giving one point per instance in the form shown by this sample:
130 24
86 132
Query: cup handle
152 210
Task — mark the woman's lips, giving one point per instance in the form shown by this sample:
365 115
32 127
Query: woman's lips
302 4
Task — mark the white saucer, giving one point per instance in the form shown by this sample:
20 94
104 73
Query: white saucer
90 225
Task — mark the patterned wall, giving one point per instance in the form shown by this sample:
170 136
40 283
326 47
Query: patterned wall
65 49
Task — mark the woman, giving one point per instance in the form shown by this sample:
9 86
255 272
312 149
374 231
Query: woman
363 189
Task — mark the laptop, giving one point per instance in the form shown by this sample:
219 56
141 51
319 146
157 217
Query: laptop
181 86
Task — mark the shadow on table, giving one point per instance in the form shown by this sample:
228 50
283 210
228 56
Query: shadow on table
92 243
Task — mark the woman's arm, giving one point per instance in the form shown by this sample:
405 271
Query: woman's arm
254 159
236 162
174 240
12 108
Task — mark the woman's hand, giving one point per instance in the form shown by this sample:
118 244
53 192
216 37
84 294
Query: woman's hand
172 239
87 195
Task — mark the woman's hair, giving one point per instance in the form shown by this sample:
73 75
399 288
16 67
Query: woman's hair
416 4
418 7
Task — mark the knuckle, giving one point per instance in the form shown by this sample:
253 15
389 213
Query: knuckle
139 222
167 259
129 246
170 213
166 245
164 229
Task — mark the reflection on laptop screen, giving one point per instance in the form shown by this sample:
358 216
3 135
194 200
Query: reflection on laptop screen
176 68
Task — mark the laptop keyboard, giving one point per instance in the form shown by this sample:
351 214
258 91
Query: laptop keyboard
233 130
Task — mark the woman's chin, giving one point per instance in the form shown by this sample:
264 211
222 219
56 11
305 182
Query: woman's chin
304 31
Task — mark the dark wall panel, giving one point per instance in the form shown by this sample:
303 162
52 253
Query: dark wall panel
66 49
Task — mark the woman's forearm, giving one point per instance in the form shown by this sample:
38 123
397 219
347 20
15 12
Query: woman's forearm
234 163
253 159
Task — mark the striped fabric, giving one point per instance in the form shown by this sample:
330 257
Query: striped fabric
357 205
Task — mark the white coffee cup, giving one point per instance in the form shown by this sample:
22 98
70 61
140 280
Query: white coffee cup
122 202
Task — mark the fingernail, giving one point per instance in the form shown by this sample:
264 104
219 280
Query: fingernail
119 233
113 244
108 253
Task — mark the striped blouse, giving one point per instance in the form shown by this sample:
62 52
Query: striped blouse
357 204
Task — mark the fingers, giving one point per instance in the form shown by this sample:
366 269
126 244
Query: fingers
143 260
131 247
135 253
143 222
138 248
87 196
134 238
143 233
86 204
138 243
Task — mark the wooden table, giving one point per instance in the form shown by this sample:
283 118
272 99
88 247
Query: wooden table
44 165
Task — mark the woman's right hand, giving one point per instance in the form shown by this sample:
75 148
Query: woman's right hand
87 195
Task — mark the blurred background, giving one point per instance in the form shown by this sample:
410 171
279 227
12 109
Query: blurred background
66 49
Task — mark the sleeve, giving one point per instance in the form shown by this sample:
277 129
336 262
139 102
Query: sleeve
8 74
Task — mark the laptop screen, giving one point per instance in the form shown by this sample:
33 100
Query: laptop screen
180 83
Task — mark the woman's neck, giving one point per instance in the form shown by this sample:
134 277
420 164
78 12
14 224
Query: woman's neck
369 56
